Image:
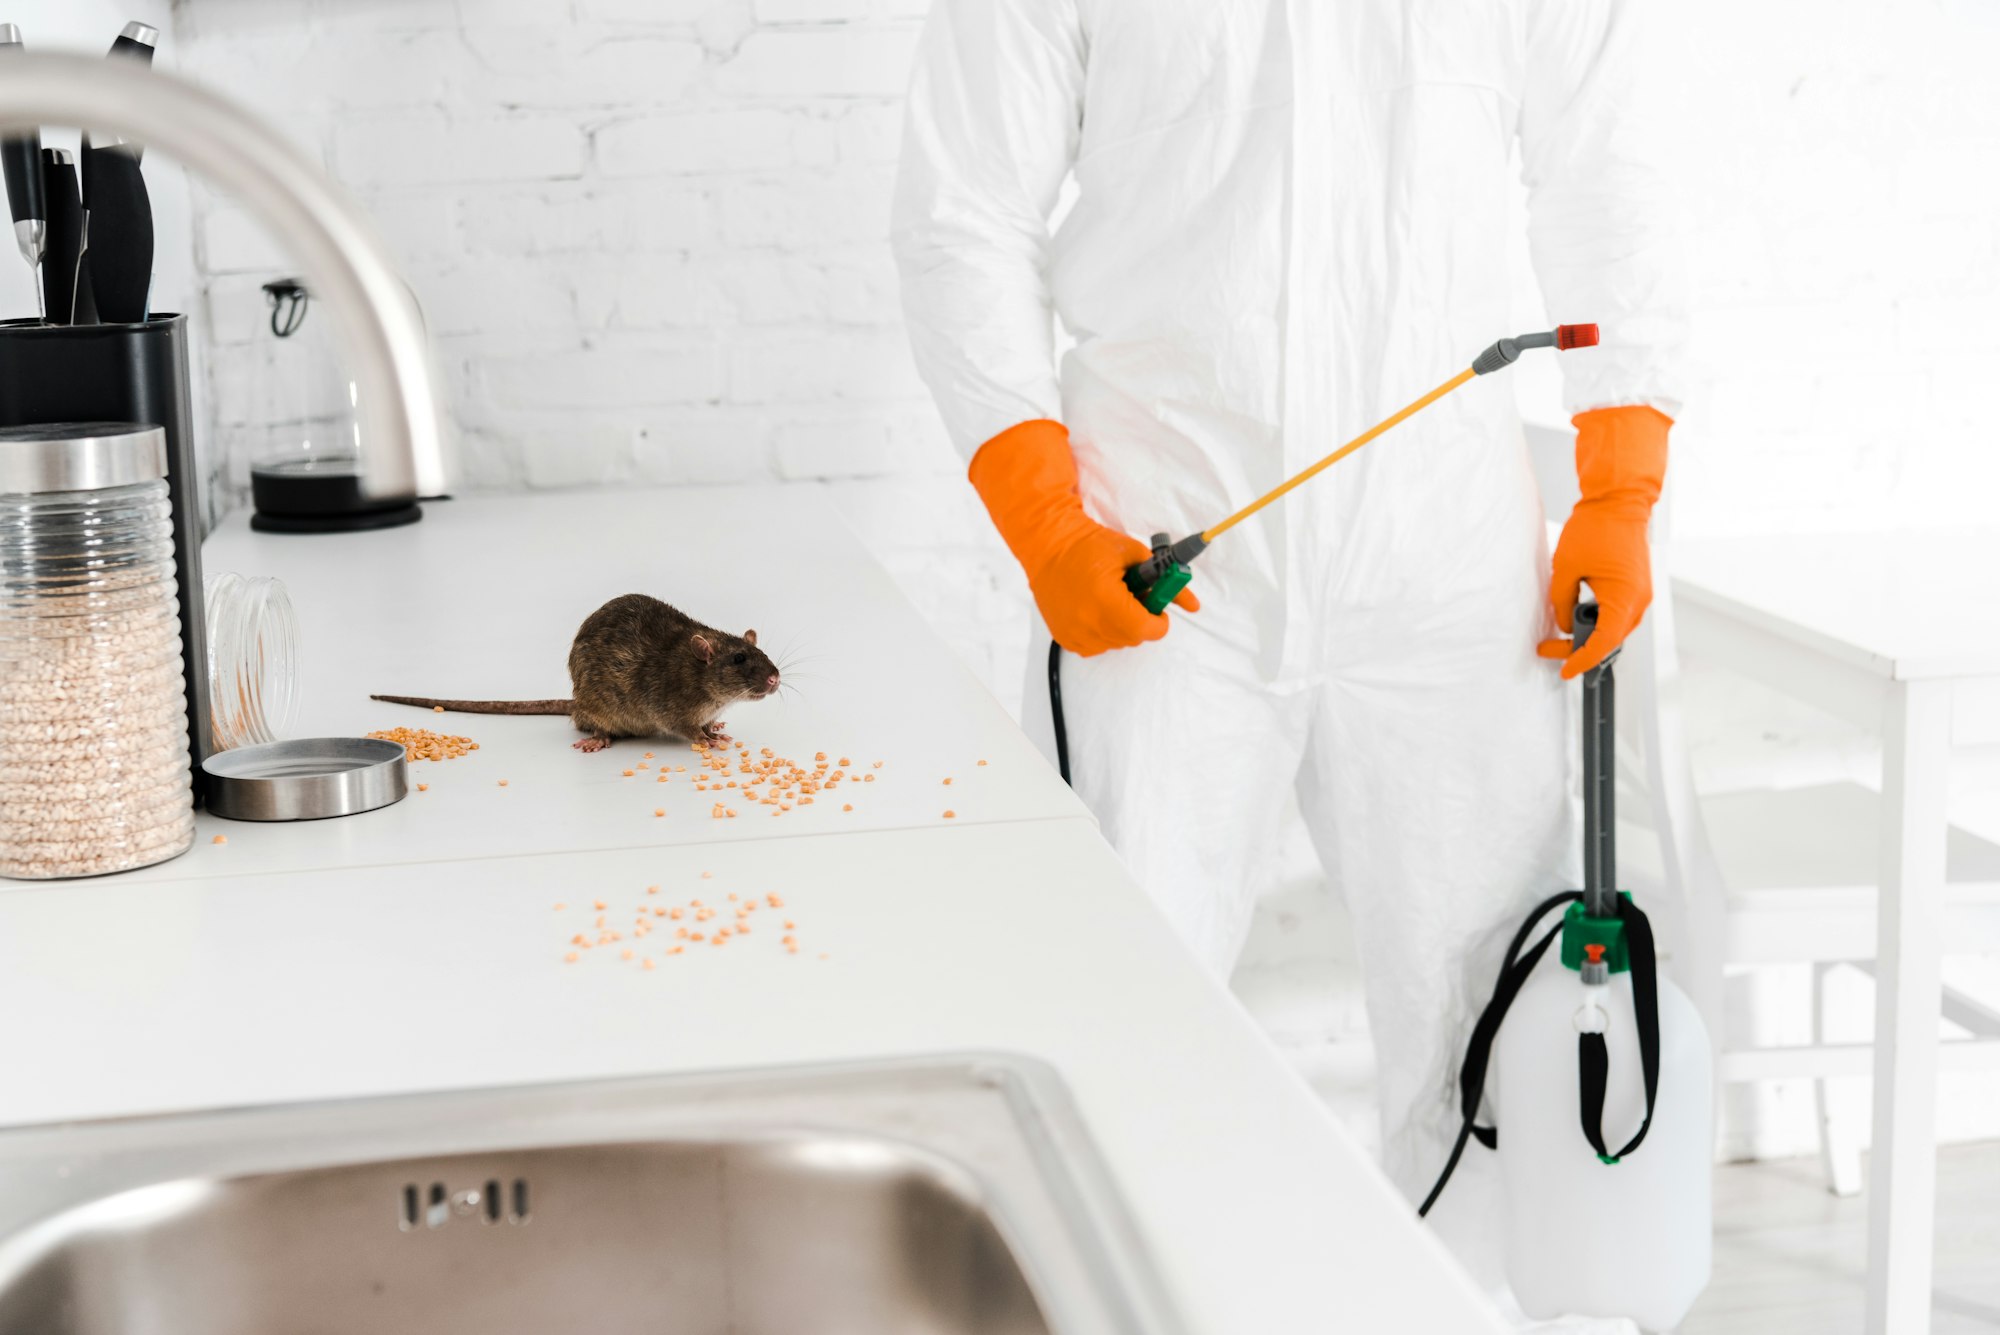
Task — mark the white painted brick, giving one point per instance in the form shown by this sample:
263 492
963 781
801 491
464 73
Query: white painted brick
256 68
852 447
525 13
603 217
644 12
544 67
764 288
872 134
419 68
232 241
712 141
424 148
862 287
235 311
399 15
579 454
722 30
418 229
805 211
866 365
1964 324
642 291
618 372
488 461
838 448
700 447
212 20
812 11
638 70
1950 177
841 62
487 292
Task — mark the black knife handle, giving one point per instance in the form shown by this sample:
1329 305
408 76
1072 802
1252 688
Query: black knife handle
121 234
59 263
21 160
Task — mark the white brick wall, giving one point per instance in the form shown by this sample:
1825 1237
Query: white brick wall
650 238
1844 211
649 234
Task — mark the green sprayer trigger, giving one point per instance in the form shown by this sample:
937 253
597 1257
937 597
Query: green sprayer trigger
1157 579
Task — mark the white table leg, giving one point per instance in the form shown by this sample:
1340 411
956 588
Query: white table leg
1902 1176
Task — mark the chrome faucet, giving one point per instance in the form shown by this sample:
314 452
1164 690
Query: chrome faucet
382 333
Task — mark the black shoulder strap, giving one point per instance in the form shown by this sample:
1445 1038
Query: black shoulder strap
1514 973
1593 1060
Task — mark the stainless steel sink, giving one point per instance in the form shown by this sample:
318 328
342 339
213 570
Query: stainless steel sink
931 1197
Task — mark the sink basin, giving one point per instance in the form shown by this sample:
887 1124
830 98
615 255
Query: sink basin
933 1197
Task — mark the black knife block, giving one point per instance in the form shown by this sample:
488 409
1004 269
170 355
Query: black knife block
125 373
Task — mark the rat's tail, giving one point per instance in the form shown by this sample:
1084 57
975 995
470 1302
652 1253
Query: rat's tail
480 706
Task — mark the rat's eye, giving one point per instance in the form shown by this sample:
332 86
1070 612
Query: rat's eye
740 659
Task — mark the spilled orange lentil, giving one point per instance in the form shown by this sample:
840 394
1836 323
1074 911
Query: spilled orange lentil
423 744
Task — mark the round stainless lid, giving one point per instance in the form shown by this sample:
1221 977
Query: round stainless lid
79 456
308 778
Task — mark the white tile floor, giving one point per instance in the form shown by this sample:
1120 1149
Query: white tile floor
1790 1258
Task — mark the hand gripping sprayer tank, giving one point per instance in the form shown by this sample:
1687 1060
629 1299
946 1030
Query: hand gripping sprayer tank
1156 580
1591 1061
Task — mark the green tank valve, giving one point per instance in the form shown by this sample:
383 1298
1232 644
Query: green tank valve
1587 938
1157 579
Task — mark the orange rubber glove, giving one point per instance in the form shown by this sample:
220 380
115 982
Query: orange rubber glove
1075 565
1621 462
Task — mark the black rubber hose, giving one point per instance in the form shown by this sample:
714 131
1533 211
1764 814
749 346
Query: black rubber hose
1056 710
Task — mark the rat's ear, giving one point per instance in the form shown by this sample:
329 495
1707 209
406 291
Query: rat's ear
704 648
749 637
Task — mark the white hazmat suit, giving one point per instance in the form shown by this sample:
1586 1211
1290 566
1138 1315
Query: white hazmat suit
1288 222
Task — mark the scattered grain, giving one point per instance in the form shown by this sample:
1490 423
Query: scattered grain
422 744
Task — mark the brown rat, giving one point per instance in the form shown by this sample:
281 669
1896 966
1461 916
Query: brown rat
640 668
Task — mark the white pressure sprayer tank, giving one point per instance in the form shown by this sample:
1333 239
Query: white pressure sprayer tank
1603 1096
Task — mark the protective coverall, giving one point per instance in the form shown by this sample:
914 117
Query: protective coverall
1288 221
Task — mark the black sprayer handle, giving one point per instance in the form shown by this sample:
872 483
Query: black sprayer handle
1600 775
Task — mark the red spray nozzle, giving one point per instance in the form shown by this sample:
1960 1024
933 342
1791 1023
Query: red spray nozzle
1575 336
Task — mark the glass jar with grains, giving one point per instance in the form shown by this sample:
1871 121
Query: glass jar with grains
93 718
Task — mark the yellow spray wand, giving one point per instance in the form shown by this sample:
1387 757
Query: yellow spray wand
1156 580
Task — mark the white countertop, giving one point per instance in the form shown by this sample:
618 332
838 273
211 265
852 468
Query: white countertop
1901 605
238 977
504 584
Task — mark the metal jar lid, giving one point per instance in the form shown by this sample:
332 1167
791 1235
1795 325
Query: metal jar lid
306 779
79 456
